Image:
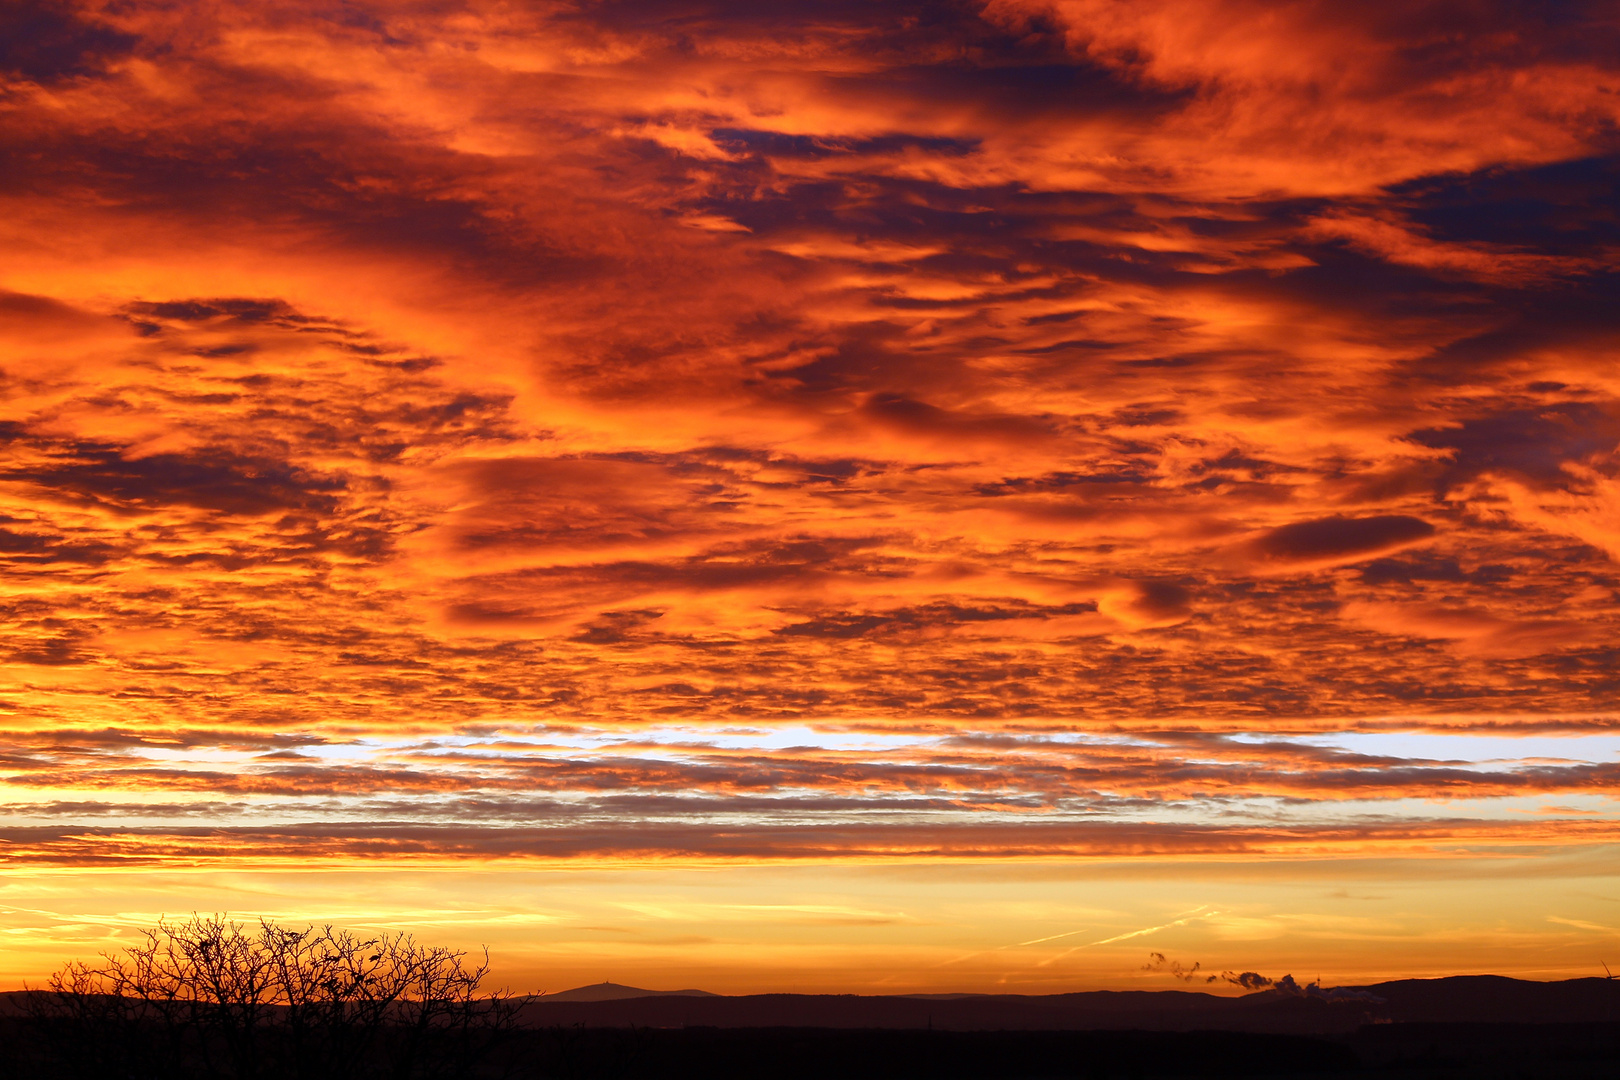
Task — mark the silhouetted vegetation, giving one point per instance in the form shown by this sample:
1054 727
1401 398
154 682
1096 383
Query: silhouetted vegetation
211 998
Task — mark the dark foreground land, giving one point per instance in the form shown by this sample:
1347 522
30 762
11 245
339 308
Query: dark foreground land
1384 1052
1391 1052
1449 1029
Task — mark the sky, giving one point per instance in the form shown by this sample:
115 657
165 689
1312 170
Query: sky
830 496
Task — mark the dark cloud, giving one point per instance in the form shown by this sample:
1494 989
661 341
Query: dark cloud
904 621
1339 538
781 144
1568 207
612 627
1409 568
47 42
1532 444
37 548
62 652
210 479
26 310
239 310
1159 601
1573 317
1065 87
1128 477
922 418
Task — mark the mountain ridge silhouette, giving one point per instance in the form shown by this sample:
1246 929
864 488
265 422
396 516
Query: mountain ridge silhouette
612 991
1452 999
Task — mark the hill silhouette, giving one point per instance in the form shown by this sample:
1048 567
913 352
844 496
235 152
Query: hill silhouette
1457 999
610 991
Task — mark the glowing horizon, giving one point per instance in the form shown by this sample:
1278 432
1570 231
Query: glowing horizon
871 486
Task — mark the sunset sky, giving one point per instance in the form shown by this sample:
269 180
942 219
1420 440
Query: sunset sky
834 496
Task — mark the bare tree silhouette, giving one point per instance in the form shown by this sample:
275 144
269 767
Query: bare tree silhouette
210 997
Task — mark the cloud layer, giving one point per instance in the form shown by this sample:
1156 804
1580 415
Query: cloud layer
653 429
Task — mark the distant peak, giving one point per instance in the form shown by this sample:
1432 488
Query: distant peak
612 991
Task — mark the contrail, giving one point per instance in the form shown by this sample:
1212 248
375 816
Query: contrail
1014 945
1186 917
1189 915
1037 941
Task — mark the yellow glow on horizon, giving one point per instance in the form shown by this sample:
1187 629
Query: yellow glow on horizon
1008 927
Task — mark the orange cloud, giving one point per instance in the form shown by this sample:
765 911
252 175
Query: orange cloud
467 432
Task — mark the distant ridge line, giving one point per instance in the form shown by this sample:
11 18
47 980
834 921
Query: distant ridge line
611 991
1487 999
